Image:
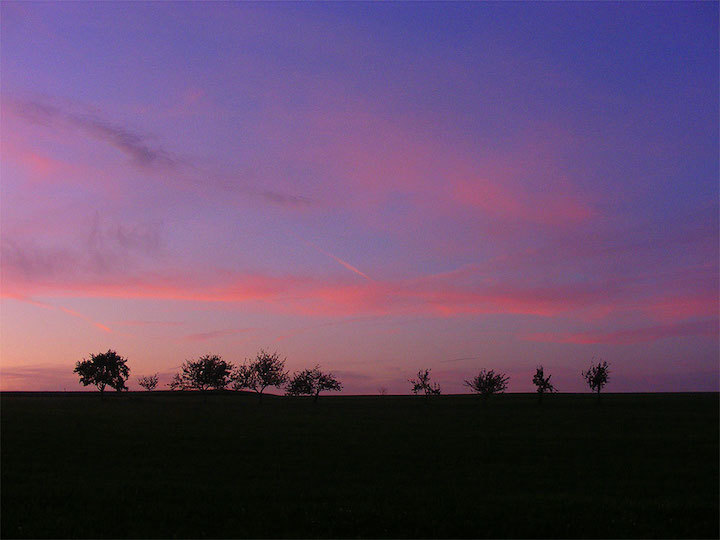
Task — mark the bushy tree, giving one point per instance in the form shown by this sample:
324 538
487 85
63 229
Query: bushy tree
423 385
244 377
209 371
104 369
149 383
542 383
310 382
597 376
258 374
177 383
487 383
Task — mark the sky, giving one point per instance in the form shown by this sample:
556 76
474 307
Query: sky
375 188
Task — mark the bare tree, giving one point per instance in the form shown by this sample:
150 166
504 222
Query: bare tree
382 391
149 383
423 384
266 370
487 383
207 372
597 376
542 383
310 382
104 369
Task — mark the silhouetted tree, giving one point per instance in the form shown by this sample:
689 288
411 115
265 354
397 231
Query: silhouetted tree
209 371
423 384
149 383
177 383
266 370
310 382
243 377
543 383
382 391
597 376
487 383
104 369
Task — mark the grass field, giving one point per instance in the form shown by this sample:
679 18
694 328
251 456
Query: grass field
175 465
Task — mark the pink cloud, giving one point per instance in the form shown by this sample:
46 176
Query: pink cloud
374 157
501 202
39 166
465 291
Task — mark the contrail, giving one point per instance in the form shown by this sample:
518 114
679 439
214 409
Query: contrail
459 359
348 266
64 310
339 260
84 318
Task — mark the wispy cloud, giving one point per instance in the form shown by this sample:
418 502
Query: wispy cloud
523 183
106 248
149 323
42 377
631 336
206 336
284 199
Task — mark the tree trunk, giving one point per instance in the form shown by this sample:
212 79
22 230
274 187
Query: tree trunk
317 394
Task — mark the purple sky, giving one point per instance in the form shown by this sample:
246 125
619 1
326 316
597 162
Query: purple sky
376 188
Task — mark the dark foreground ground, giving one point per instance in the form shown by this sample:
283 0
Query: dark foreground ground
172 465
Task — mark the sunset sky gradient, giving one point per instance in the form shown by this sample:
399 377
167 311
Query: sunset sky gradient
376 188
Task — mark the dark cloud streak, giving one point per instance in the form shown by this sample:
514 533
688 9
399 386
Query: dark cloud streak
133 145
145 155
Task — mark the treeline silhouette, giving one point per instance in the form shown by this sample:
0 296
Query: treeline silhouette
211 372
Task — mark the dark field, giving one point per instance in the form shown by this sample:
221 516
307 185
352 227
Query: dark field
172 465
